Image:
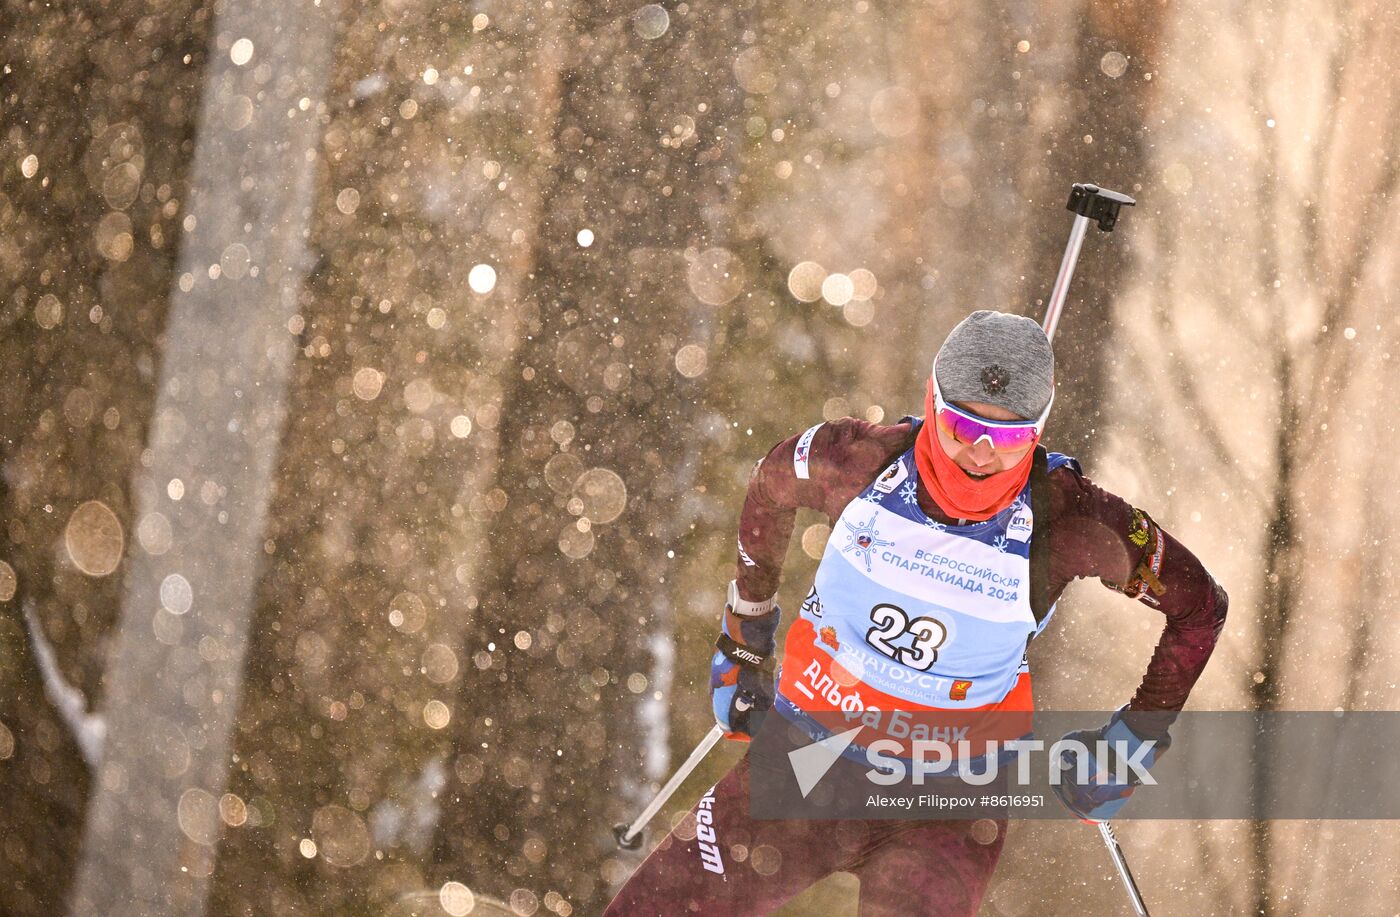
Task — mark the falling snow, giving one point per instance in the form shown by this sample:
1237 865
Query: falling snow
383 384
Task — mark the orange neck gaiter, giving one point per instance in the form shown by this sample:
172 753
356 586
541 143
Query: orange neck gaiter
955 493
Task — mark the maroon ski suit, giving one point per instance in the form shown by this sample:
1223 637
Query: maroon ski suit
720 861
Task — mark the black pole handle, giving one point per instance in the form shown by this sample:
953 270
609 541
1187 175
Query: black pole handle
1098 204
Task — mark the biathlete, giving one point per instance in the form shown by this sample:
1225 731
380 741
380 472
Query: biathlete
952 537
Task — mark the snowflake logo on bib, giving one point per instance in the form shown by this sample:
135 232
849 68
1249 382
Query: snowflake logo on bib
863 540
909 492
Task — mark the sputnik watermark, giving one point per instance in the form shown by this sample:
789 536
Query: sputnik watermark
1210 765
937 759
1069 759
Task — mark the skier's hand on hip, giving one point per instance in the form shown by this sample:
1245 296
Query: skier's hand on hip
741 670
1095 780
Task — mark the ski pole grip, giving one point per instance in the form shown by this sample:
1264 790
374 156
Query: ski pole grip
1098 204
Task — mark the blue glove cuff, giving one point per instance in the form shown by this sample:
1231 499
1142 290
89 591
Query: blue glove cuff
758 633
1123 739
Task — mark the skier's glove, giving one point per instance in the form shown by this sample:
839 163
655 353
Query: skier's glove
1100 796
741 671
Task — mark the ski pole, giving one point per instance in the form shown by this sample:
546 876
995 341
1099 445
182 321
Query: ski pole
1089 203
629 837
1115 851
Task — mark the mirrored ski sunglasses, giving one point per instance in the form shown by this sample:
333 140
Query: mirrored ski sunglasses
1004 435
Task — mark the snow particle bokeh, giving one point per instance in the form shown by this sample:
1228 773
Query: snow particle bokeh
603 494
154 534
436 714
198 815
241 52
482 278
1113 64
814 539
94 538
113 237
347 201
167 628
858 313
575 544
835 408
176 594
766 859
418 395
562 432
651 21
838 289
235 261
456 899
232 810
439 663
408 613
562 470
7 743
367 383
9 582
984 831
691 361
805 281
753 73
307 847
461 426
894 111
715 276
340 835
48 312
121 185
863 284
585 237
524 902
29 166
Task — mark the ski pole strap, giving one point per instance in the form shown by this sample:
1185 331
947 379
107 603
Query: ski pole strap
738 653
1040 535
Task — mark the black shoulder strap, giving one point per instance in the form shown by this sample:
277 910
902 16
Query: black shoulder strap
1040 535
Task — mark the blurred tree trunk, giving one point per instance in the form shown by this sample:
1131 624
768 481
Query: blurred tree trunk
205 482
1323 380
424 228
595 426
97 114
1095 130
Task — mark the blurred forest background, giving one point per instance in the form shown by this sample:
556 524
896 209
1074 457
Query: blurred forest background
381 381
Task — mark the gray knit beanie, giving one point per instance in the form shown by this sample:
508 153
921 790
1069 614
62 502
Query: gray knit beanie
999 359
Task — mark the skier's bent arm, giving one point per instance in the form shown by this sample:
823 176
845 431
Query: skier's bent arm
1097 533
823 468
765 524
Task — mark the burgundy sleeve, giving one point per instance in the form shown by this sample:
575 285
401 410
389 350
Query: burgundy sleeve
843 456
1091 536
765 522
